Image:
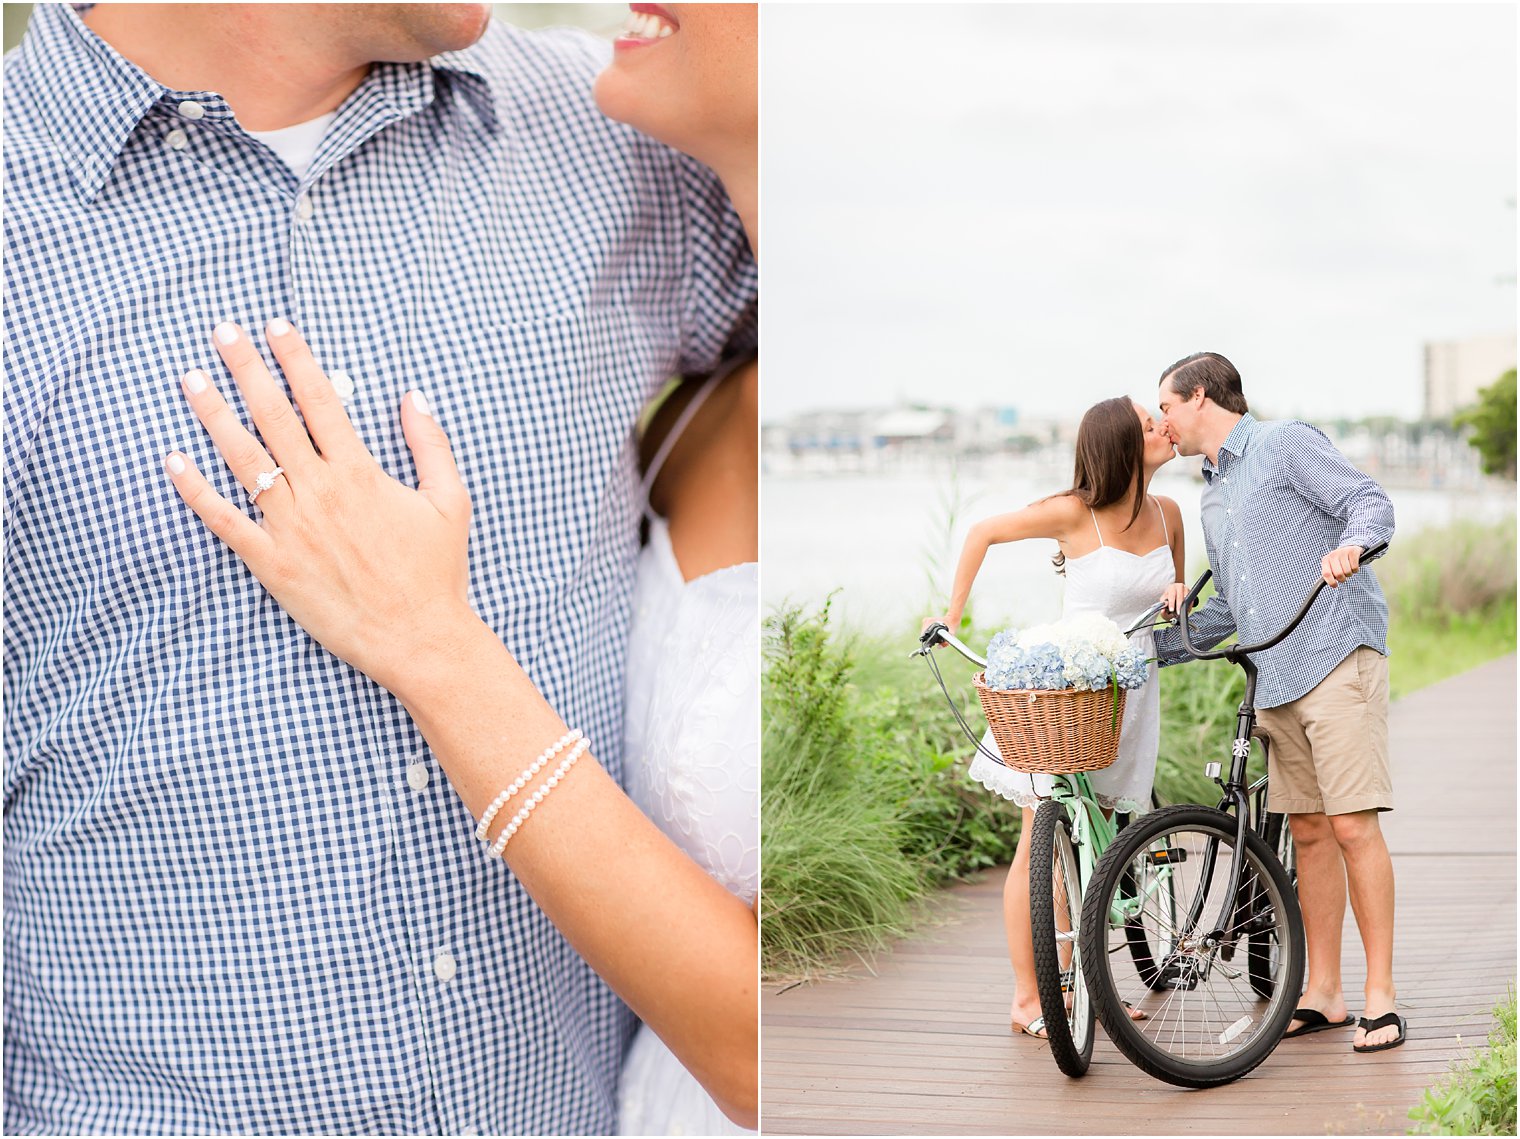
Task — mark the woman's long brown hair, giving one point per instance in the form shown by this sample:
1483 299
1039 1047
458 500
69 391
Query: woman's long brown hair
1110 460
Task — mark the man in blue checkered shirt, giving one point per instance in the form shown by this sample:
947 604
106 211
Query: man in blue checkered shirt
239 894
1283 506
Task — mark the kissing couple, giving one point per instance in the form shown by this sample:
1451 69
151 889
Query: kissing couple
1281 505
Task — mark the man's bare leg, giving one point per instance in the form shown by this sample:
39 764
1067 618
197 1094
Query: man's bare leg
1369 875
1322 897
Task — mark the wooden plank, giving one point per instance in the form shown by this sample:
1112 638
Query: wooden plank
918 1042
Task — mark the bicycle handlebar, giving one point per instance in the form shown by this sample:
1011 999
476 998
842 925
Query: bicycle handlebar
939 634
1238 650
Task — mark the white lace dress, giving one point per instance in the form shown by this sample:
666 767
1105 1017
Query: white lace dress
1121 586
693 766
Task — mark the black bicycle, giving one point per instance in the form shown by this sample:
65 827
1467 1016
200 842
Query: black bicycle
1224 961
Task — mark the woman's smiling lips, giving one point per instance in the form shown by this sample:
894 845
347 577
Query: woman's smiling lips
647 24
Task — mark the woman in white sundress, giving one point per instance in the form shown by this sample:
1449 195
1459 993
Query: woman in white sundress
692 738
1121 549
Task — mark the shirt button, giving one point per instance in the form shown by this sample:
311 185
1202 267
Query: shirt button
191 109
343 384
444 966
304 208
177 139
1235 544
468 1131
417 776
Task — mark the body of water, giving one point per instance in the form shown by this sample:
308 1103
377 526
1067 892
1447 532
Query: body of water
888 542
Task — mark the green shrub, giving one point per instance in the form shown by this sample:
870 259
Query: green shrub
863 806
1479 1097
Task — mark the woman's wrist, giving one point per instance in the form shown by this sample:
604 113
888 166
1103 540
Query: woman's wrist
436 656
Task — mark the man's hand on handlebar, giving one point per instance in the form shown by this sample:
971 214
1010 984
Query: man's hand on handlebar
1338 565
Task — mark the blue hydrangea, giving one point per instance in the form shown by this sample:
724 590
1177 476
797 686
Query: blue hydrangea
1065 655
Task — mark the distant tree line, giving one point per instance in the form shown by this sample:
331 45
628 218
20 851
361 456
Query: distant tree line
1492 421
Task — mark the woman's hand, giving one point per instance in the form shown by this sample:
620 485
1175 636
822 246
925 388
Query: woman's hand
1173 597
375 571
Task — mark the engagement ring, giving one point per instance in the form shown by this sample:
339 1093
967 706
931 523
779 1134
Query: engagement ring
263 483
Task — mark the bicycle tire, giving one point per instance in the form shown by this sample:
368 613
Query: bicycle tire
1262 949
1207 1026
1055 900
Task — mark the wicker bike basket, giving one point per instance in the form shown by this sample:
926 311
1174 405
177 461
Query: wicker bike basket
1056 731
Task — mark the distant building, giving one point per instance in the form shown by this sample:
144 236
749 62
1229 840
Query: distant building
1456 369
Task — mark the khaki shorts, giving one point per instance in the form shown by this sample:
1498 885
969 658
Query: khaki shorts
1329 748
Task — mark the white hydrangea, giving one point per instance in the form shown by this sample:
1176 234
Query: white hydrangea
1086 651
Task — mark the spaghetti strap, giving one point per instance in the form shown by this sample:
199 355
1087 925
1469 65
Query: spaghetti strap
1165 536
688 413
1101 542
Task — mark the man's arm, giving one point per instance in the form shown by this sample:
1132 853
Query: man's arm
1326 478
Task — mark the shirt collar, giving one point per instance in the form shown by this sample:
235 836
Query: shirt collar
1235 444
91 98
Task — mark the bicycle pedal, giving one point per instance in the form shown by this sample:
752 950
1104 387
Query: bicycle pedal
1172 975
1170 856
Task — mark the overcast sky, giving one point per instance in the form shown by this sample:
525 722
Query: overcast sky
1044 205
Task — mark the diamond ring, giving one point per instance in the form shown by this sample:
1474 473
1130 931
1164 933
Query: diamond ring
263 483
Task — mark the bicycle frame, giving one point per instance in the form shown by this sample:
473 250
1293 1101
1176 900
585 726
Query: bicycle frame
1092 833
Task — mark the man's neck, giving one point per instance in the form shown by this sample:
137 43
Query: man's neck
270 74
1220 427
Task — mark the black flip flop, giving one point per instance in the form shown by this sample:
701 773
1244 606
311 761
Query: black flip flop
1316 1021
1384 1021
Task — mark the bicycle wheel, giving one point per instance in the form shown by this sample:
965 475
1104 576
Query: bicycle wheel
1262 948
1206 1025
1055 908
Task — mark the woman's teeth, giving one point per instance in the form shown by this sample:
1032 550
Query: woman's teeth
647 26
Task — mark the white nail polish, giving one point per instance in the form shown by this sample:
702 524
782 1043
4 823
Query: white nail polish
227 332
196 381
176 464
277 327
420 402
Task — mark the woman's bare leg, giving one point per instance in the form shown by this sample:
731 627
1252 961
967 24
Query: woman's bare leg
1026 997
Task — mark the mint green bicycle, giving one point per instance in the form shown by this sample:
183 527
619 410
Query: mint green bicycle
1069 834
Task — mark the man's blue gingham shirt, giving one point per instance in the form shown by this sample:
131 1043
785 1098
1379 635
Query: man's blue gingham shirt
227 909
1279 500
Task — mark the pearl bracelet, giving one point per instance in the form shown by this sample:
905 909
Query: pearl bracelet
524 779
538 797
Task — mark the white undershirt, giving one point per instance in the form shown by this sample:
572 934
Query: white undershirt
297 145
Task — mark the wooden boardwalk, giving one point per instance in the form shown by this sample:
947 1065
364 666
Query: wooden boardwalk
922 1046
